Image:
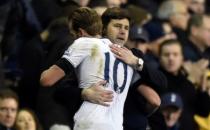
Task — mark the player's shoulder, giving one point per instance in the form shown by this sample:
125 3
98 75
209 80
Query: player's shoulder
91 40
106 41
86 39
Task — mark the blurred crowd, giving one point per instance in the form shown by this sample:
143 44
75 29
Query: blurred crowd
174 36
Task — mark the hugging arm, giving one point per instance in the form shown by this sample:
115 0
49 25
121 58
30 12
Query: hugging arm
94 93
97 94
56 72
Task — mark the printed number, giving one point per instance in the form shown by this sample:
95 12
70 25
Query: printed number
117 88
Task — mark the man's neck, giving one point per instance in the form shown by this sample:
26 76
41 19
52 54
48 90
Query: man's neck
91 36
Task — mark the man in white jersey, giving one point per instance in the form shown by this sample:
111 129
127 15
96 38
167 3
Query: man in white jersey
102 64
93 61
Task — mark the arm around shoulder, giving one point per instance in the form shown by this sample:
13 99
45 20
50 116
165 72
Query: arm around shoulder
50 76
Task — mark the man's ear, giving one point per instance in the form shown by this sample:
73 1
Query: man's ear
81 32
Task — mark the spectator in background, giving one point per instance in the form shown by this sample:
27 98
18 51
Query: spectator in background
197 6
8 109
139 38
198 45
197 48
176 13
27 120
171 108
171 61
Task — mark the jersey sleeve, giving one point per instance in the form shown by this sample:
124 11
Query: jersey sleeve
77 52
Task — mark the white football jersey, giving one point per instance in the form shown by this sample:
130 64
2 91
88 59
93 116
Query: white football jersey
93 62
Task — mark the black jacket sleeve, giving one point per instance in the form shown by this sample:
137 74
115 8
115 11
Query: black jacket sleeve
68 92
150 76
65 65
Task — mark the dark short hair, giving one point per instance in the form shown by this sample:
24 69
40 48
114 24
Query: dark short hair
6 93
169 42
195 20
87 19
113 13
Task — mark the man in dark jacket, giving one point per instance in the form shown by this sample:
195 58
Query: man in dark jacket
196 101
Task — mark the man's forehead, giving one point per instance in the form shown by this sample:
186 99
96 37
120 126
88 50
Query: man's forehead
7 100
120 21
